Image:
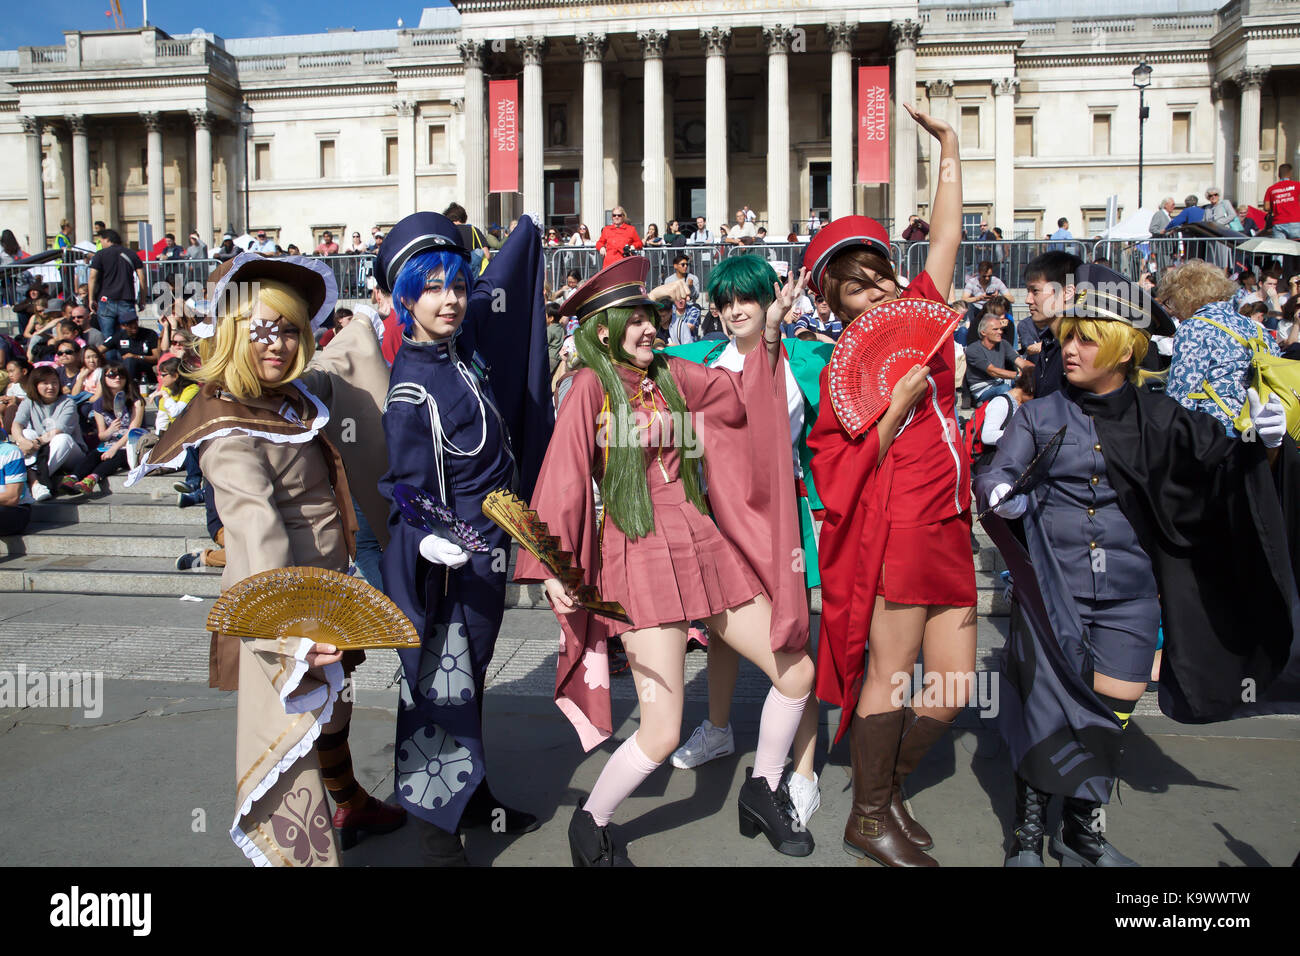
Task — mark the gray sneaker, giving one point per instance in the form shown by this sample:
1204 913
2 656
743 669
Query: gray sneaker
705 744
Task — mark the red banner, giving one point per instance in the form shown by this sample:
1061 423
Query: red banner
503 117
873 124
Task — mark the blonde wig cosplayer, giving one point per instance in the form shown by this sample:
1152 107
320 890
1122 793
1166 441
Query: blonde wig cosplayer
1113 340
1192 285
228 355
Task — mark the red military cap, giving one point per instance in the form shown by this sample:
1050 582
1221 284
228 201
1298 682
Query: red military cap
847 232
621 285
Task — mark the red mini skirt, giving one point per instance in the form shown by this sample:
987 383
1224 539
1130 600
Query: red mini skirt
930 564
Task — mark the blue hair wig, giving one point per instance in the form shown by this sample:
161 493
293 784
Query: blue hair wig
415 275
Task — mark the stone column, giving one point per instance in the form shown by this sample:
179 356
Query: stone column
202 177
475 159
36 232
715 40
904 35
81 216
1222 157
109 181
842 121
534 131
777 39
405 158
940 94
593 131
1004 155
652 165
1248 186
157 214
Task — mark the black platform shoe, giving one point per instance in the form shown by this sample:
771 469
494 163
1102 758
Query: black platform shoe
1078 840
485 810
591 845
763 809
1031 815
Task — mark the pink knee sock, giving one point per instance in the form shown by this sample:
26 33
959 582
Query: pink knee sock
623 774
775 734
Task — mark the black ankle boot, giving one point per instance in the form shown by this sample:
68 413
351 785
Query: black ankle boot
591 845
1031 814
1078 840
485 810
768 810
437 846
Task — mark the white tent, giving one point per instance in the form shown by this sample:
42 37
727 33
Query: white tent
1133 226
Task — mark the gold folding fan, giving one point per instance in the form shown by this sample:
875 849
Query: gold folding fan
326 606
532 534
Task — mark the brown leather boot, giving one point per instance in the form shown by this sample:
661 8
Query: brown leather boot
872 830
919 735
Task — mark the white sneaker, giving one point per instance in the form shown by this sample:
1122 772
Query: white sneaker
40 492
805 795
707 743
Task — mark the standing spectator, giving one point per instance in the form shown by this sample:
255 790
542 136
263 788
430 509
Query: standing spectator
750 215
116 273
674 235
15 500
226 250
1282 204
652 237
711 323
1217 209
358 248
761 235
618 239
263 244
814 222
917 229
682 271
327 245
744 228
1059 238
375 237
196 249
552 238
170 250
581 237
702 233
1191 213
991 363
9 249
136 349
554 333
64 238
1160 220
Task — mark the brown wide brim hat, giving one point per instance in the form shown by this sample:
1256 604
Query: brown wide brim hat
620 286
310 278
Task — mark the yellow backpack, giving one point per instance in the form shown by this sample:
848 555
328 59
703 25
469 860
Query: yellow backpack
1269 375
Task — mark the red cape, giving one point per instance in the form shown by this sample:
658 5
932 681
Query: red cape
743 425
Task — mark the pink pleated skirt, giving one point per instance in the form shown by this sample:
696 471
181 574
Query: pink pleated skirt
685 570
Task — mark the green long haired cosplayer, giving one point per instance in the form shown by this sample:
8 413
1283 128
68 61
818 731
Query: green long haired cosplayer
623 486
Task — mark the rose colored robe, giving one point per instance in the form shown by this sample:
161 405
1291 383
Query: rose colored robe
744 428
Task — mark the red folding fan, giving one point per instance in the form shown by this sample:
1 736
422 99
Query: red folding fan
877 349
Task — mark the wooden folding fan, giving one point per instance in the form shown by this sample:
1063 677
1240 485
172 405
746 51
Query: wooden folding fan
532 534
323 605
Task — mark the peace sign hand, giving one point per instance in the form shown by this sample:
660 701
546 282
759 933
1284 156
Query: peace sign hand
786 296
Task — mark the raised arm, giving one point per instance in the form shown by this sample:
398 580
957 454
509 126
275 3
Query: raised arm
945 218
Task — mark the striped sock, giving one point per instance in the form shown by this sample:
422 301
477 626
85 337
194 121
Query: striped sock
336 769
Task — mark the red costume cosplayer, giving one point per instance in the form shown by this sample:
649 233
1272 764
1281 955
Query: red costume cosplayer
895 546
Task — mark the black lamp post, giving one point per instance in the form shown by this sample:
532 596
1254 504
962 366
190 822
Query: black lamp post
1141 79
246 122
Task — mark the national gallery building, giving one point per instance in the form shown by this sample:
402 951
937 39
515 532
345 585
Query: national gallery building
671 108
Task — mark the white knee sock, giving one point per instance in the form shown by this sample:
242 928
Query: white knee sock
776 731
623 774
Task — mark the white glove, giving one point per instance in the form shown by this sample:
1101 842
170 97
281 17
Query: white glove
1269 420
1007 509
438 550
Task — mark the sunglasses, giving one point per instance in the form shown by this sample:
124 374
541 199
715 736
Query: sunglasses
617 215
178 341
112 375
66 352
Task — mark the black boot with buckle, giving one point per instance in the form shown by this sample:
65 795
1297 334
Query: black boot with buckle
1031 827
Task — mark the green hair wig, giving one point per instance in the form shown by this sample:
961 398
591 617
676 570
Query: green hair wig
743 276
623 485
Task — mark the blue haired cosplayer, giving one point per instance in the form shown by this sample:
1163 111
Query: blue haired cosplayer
413 278
455 420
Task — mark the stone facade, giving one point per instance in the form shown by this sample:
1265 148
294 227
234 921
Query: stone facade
669 108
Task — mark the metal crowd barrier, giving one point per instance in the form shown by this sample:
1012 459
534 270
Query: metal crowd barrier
1157 254
1009 258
